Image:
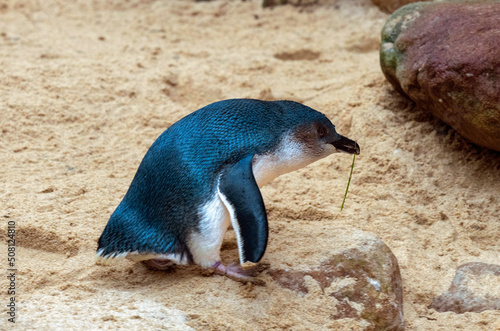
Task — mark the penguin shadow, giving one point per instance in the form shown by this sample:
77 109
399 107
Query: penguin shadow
130 274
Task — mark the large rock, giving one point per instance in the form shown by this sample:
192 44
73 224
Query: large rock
355 270
445 56
475 288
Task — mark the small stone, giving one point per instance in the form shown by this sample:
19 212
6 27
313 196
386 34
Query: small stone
445 57
359 273
475 288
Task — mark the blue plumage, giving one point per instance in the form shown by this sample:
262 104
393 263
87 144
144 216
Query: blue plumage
180 171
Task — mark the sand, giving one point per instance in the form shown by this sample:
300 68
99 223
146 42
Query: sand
88 86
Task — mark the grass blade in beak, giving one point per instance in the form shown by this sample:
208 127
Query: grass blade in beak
349 181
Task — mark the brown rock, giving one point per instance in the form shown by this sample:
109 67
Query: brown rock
445 57
361 276
475 288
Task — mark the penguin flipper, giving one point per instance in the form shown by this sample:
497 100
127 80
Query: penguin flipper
241 196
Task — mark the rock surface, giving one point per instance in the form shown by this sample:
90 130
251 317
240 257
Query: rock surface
359 279
444 56
475 288
390 6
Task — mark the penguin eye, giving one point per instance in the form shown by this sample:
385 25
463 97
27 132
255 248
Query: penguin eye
322 131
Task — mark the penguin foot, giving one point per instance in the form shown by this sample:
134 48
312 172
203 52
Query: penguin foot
240 274
159 265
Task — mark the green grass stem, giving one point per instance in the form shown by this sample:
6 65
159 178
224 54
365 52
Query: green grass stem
349 181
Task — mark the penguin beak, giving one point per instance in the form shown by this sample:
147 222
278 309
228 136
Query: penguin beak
345 145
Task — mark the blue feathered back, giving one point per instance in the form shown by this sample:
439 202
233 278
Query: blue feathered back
178 173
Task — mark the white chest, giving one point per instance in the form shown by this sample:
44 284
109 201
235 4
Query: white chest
288 157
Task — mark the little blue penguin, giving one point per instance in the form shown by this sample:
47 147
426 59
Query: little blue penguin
204 173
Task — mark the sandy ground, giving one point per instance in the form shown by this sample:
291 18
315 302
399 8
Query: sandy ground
86 87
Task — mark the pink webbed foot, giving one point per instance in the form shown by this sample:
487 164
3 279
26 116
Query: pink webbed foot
159 265
238 273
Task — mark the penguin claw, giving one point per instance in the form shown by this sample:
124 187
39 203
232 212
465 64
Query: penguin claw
241 274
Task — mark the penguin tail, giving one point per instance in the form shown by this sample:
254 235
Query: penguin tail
167 249
131 237
102 258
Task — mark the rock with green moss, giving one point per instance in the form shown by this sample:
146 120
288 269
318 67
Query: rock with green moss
445 56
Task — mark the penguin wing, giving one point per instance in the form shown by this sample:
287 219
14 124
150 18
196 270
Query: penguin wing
241 196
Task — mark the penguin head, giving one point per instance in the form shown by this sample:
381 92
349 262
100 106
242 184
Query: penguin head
307 137
319 139
314 132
